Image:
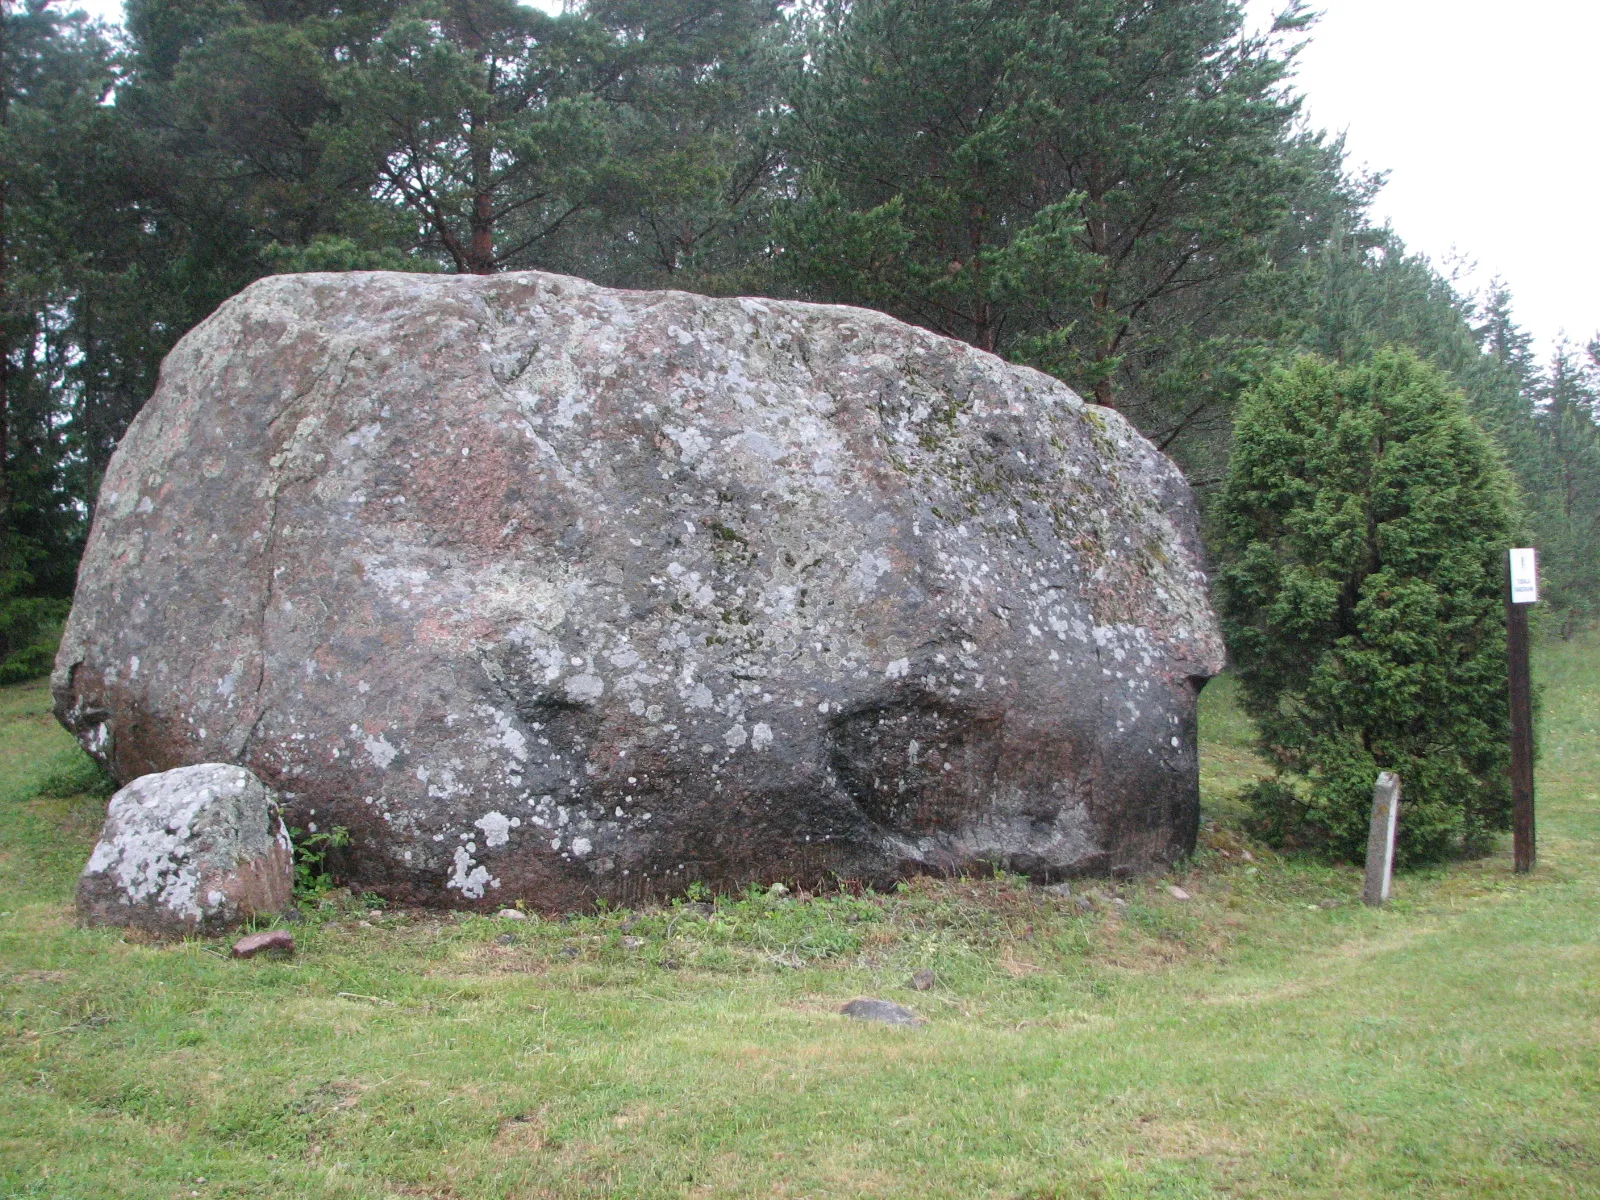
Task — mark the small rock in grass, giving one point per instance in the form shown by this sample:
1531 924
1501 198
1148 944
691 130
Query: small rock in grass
1061 890
1177 892
777 891
884 1011
1328 904
1247 856
257 943
196 850
512 914
923 980
506 939
1085 904
632 943
1119 902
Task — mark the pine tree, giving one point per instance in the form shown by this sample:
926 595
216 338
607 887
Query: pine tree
1091 186
693 91
473 117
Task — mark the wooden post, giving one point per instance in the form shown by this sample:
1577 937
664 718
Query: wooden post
1380 840
1522 589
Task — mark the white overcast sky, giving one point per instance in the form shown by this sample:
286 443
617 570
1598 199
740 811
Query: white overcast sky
1483 113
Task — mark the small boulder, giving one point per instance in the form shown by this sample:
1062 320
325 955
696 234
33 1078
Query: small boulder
923 980
1177 892
512 914
197 850
885 1011
1062 891
280 940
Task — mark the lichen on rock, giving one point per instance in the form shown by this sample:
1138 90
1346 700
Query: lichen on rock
551 592
194 850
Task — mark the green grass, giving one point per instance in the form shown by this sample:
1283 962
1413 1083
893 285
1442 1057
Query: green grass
1228 761
1269 1037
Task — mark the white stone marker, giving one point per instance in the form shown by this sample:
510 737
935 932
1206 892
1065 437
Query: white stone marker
1380 841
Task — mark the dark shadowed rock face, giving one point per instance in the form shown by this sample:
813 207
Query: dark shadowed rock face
550 592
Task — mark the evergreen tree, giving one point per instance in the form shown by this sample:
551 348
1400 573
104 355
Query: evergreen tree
1567 506
1365 292
473 117
1364 526
1093 186
619 140
693 94
55 71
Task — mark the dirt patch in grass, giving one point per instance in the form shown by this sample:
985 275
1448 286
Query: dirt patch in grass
526 1133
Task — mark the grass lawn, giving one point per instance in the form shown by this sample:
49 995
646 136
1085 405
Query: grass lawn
1268 1037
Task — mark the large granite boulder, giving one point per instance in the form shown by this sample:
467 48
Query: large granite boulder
551 592
195 850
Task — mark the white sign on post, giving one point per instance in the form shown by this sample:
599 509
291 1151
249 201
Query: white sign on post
1524 577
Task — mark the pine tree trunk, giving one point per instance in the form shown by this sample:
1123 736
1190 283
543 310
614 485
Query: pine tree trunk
482 234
